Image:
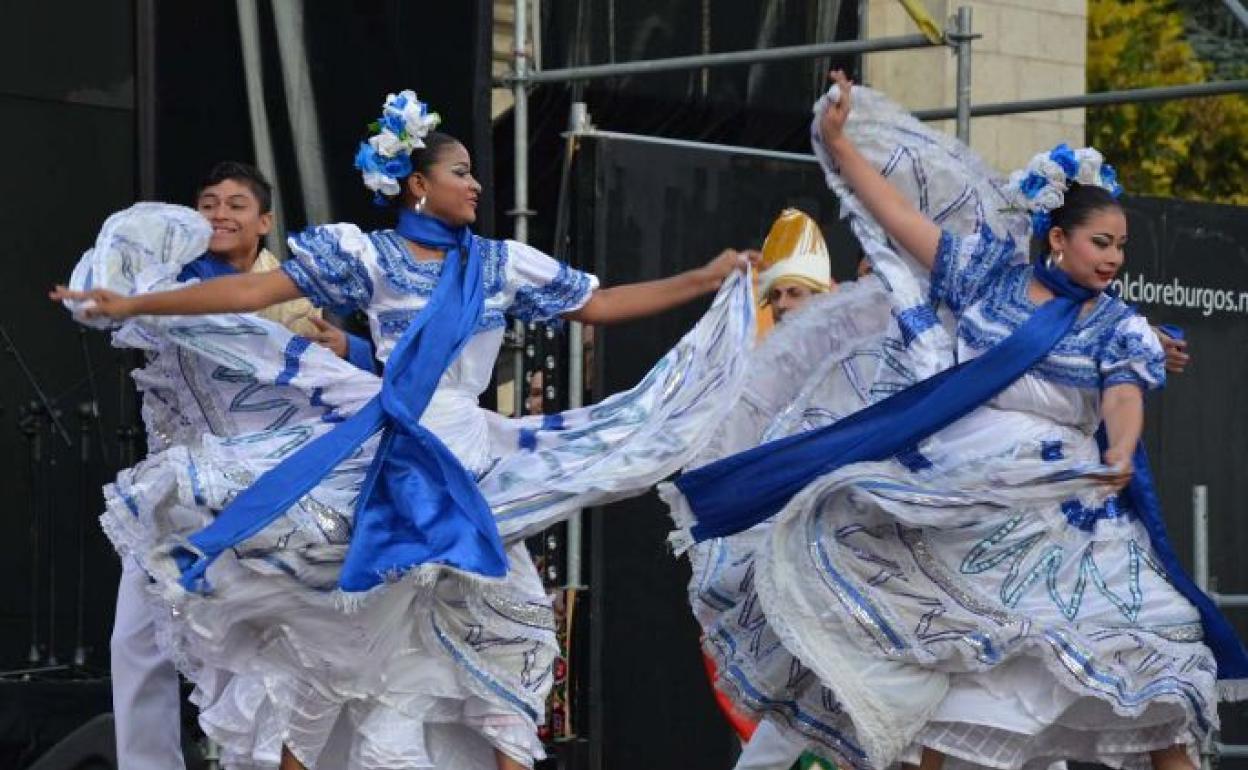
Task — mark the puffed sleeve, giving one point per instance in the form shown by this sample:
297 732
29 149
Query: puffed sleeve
966 265
331 265
543 288
1133 355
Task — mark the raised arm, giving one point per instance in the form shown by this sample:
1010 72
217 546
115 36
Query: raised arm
905 224
646 298
230 294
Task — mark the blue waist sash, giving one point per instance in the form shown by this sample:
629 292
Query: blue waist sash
418 504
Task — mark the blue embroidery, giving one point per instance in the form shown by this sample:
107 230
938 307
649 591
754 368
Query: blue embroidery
913 321
946 253
1051 450
392 323
403 271
1076 359
1082 517
294 349
1127 353
409 275
325 273
419 278
959 280
568 291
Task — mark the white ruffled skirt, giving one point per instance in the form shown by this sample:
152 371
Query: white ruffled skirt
982 602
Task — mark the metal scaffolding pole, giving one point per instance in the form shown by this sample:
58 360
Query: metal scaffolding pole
1237 9
520 208
961 38
1101 99
702 61
688 144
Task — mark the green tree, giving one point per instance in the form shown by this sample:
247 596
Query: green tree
1195 148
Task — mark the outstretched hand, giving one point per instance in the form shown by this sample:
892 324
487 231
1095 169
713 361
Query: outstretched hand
1177 357
832 121
729 261
101 303
329 336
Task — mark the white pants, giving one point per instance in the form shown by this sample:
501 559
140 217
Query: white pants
768 750
146 699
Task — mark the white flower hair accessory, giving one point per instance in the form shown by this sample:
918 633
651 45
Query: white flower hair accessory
386 158
1041 186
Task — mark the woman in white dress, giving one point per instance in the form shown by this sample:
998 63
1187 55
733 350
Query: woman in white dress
952 569
285 487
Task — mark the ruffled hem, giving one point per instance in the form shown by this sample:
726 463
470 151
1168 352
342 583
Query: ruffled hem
884 741
261 690
252 717
877 705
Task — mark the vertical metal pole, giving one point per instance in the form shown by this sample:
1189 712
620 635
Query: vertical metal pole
1200 538
520 210
1200 568
578 121
962 43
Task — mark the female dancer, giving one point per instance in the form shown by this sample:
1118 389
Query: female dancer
953 568
399 498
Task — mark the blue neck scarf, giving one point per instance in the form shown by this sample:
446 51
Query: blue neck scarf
205 267
737 492
418 504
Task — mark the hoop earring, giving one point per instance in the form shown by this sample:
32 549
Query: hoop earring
420 204
1052 262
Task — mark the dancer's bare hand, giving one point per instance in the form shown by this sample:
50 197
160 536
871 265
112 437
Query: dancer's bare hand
729 261
1119 460
329 336
832 122
101 303
1177 357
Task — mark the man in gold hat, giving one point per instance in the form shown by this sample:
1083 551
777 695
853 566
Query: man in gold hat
795 266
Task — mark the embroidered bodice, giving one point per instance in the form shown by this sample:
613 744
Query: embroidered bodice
341 267
980 280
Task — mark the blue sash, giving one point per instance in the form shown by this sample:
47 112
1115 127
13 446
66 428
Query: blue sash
418 504
737 492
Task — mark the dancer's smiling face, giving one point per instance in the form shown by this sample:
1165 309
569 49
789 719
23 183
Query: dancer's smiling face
1093 250
237 219
443 179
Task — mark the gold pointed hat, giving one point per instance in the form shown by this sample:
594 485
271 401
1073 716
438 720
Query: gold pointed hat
795 251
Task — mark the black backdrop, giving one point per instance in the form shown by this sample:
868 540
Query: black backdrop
67 143
644 211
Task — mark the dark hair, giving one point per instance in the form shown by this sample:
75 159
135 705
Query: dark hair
1080 203
435 142
245 174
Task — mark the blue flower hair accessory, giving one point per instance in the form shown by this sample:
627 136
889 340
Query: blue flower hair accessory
386 158
1041 186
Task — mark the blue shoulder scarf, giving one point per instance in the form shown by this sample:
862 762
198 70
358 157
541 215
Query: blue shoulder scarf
737 492
418 504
